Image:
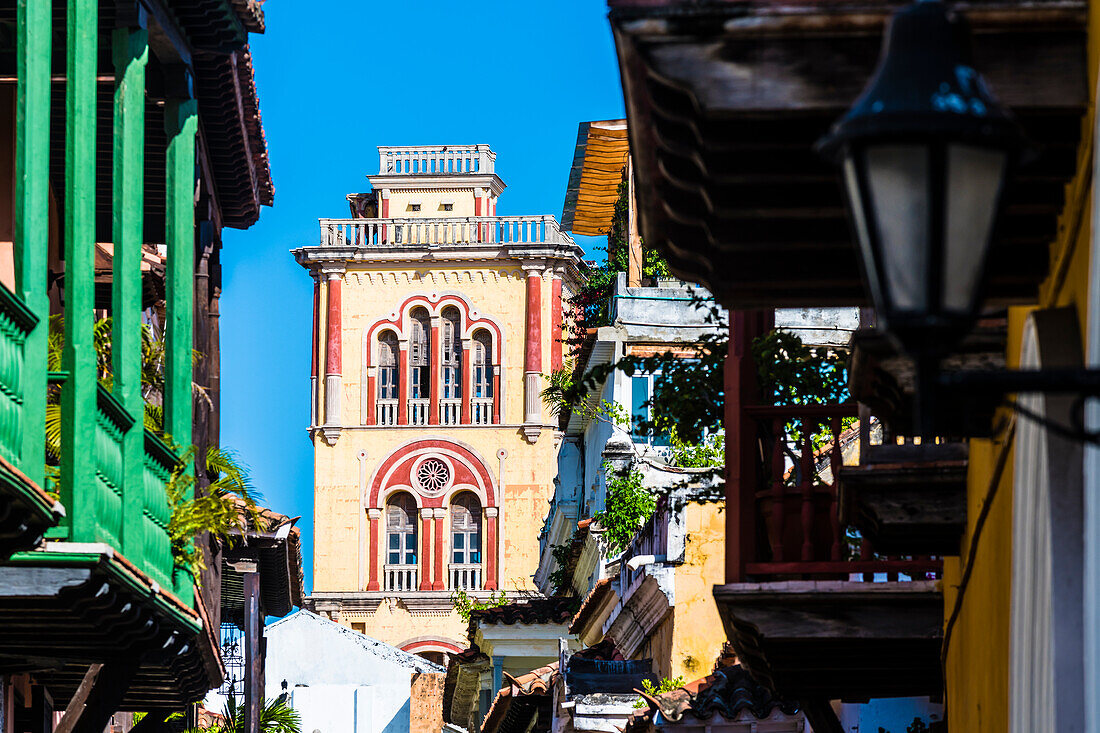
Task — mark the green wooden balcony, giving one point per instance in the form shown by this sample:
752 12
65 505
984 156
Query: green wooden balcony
103 586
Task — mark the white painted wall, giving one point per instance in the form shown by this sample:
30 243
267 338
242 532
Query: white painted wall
351 709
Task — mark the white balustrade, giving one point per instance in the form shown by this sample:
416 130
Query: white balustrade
402 578
450 412
436 231
481 411
386 412
418 411
465 576
435 159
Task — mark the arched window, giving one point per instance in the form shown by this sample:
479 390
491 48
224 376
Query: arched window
388 377
481 387
452 354
401 530
419 351
466 529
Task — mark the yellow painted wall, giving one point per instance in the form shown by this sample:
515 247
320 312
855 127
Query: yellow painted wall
496 289
689 639
699 634
431 202
977 681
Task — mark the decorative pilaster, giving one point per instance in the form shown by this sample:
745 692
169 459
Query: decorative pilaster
313 396
439 514
556 326
426 554
374 516
491 569
434 359
465 369
403 382
384 206
333 355
368 417
532 362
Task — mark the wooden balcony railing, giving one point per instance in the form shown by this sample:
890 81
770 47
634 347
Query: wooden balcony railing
465 576
403 578
433 231
795 529
16 323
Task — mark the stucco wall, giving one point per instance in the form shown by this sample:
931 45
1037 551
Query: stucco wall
699 633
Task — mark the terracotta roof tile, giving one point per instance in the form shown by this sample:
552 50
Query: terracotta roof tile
727 692
555 610
589 604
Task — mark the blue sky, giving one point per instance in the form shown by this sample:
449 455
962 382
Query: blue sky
337 79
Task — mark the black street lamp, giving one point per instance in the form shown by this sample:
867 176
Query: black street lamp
924 153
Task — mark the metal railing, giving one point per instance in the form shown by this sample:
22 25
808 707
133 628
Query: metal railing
418 411
481 411
450 412
435 159
465 576
403 578
385 411
434 231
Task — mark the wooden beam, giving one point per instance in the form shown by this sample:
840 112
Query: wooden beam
253 658
98 697
821 717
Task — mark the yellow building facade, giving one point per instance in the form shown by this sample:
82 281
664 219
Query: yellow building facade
434 457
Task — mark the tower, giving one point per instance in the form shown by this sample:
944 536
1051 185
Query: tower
434 320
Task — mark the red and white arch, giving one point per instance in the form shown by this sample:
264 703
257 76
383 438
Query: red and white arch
433 470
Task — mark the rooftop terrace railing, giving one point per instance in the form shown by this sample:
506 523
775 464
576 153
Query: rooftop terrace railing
435 231
435 159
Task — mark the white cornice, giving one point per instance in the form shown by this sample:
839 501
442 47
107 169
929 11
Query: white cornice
406 181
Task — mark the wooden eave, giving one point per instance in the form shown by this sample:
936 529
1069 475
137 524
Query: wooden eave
837 639
600 156
66 607
912 501
26 511
726 99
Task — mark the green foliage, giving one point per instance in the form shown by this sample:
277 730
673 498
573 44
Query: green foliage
629 504
228 504
276 716
687 391
710 452
465 604
560 579
653 690
791 373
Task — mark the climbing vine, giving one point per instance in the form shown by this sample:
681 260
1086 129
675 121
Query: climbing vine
629 505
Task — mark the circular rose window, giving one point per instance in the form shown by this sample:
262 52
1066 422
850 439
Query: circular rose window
433 476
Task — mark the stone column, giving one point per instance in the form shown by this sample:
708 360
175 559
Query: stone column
426 544
556 348
467 389
333 356
374 516
440 515
489 550
403 382
316 348
435 349
532 361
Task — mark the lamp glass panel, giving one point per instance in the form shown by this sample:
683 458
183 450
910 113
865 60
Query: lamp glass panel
974 177
897 178
859 216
